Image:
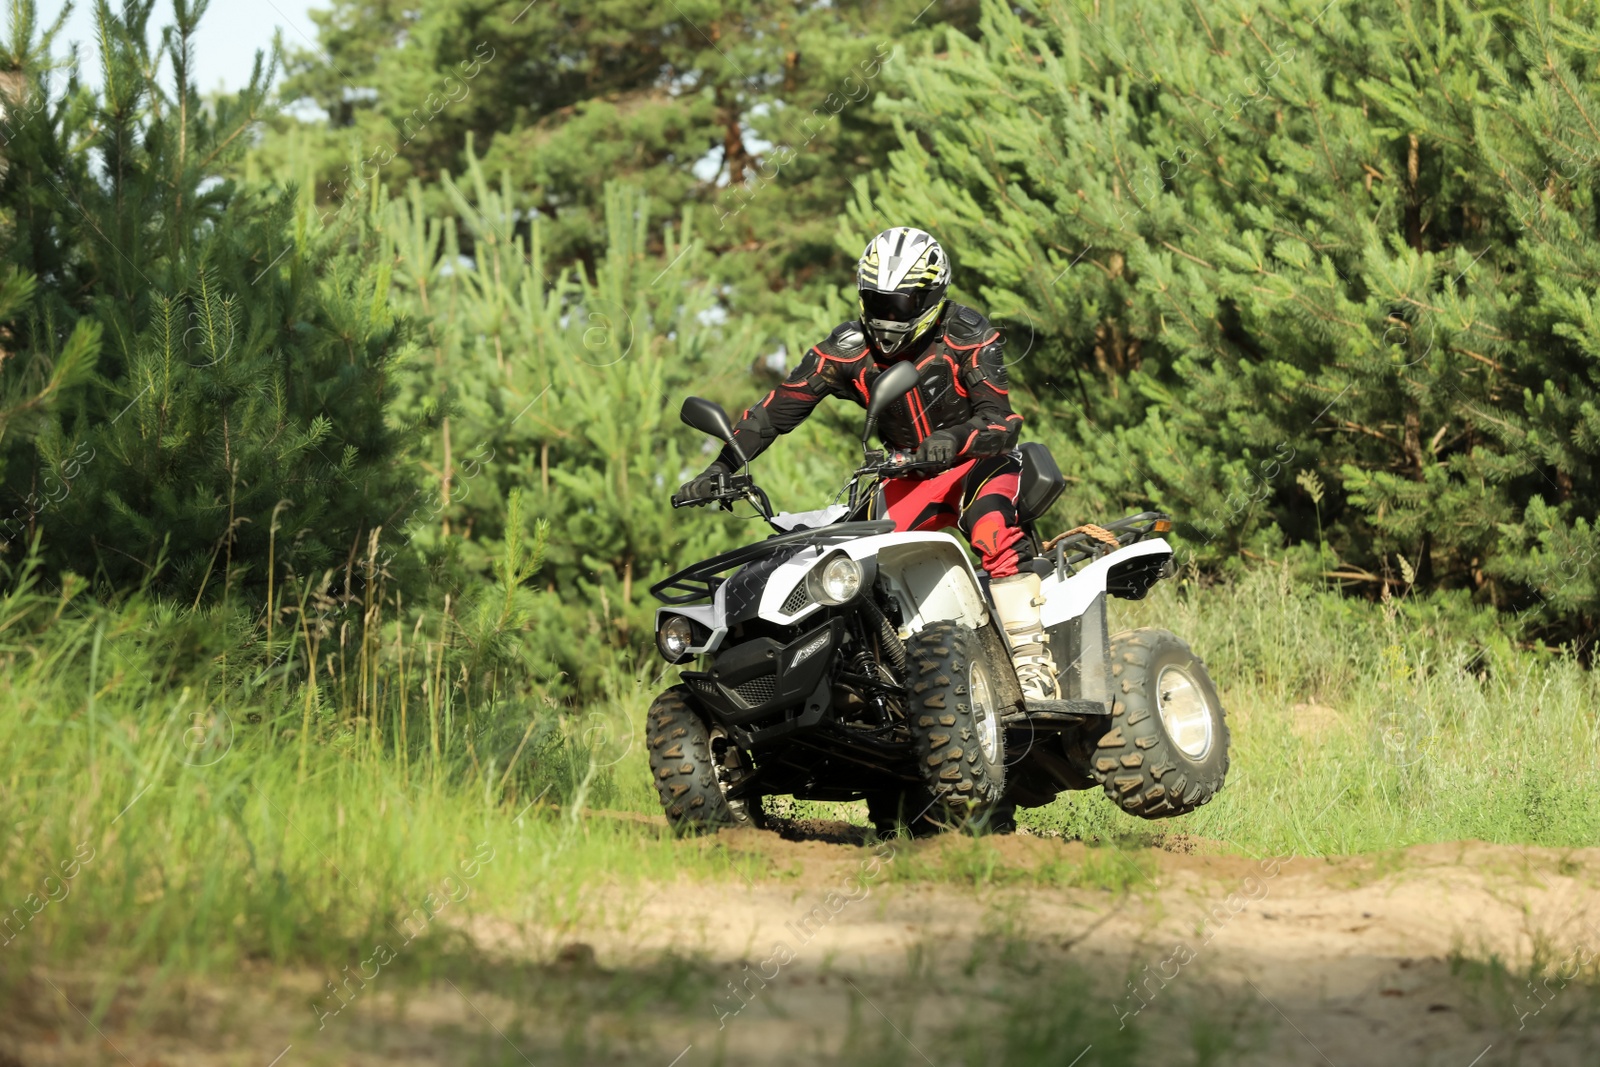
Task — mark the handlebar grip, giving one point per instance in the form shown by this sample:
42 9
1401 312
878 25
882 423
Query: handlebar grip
725 486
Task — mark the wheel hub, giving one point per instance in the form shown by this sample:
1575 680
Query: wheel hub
728 762
983 715
1185 715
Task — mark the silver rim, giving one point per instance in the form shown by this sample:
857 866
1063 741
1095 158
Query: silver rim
1184 712
729 764
983 716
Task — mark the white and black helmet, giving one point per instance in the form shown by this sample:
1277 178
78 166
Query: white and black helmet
902 276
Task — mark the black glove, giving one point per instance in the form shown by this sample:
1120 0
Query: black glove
938 449
699 490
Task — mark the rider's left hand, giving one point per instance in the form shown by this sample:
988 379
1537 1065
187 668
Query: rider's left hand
937 449
699 490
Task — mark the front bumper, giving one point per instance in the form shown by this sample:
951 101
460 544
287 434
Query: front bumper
763 679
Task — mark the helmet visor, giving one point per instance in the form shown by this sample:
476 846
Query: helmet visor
902 308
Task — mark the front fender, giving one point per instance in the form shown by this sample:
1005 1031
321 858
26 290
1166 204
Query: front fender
929 574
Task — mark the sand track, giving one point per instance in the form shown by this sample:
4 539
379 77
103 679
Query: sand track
846 954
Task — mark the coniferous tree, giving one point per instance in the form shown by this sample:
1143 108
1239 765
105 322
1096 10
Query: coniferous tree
195 379
566 388
759 110
1292 269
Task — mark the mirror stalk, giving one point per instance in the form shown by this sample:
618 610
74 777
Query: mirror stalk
891 385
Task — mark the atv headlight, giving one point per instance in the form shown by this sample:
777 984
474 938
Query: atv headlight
674 637
836 581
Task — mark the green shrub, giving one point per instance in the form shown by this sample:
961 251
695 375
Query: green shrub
196 380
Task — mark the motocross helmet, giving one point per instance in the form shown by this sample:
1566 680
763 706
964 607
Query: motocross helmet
902 276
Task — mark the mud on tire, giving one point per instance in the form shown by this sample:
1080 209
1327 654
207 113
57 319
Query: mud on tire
1158 686
954 718
685 758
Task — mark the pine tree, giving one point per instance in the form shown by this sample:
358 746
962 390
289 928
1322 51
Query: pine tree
195 378
566 388
757 111
1257 239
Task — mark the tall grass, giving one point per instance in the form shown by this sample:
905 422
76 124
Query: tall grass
1360 726
178 791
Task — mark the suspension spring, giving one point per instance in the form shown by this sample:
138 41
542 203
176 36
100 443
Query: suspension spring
894 650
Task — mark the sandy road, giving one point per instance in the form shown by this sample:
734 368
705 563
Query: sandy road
1363 960
850 955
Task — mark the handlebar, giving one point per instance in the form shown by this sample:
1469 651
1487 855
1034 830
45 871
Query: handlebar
725 486
729 487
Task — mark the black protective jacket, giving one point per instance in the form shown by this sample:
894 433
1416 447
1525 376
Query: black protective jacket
963 391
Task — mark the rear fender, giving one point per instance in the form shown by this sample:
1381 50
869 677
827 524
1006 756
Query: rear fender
1074 615
1069 597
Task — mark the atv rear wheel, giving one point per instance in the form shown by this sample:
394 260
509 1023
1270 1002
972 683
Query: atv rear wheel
1167 750
954 720
694 765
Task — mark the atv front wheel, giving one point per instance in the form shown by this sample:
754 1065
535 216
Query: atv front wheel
1167 750
954 720
694 765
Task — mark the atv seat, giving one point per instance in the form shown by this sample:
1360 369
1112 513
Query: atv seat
1041 481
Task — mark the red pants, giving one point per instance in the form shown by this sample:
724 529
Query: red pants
980 496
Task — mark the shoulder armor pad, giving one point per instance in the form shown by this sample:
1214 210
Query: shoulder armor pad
847 339
965 326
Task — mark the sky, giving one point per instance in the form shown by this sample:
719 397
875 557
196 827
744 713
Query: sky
225 45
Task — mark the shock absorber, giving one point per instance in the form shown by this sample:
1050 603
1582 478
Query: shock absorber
894 650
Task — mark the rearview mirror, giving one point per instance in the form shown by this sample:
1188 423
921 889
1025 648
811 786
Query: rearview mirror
891 385
707 416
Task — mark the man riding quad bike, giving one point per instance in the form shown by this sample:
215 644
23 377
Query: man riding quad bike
856 653
957 422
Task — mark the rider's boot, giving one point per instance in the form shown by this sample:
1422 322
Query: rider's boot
1017 601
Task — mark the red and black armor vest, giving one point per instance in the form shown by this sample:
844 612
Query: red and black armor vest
963 391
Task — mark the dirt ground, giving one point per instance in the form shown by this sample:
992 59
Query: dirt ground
1016 950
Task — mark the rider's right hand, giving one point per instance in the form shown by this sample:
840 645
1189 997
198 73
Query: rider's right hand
700 490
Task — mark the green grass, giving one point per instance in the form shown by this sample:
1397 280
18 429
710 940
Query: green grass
190 811
230 813
1357 727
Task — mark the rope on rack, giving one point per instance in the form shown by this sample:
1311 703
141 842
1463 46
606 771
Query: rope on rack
1099 533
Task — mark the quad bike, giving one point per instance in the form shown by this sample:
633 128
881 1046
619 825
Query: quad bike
839 660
